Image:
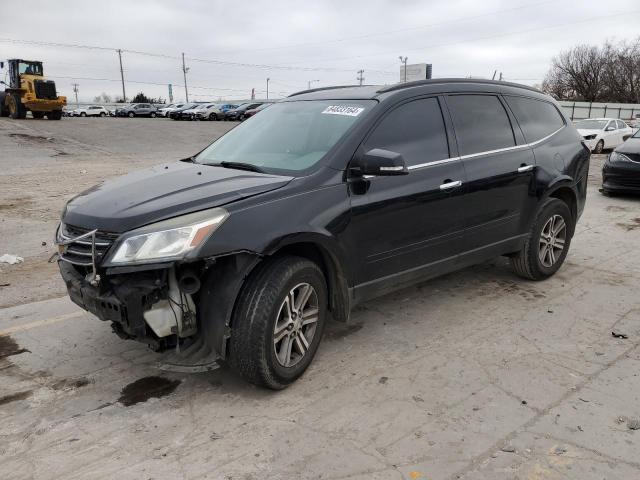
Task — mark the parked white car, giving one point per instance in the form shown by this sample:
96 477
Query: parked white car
601 133
91 111
165 111
208 111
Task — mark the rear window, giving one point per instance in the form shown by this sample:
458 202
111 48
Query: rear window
537 119
481 123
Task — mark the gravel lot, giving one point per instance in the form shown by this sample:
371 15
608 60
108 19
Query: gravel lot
475 375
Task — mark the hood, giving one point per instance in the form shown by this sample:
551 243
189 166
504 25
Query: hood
588 131
162 192
632 145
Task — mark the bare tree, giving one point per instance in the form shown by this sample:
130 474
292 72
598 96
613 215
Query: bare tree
610 73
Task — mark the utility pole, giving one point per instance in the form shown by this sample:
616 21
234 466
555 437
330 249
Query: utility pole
500 76
404 60
75 90
494 74
124 95
309 82
268 87
184 72
360 77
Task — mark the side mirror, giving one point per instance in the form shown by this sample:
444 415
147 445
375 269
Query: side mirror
609 129
380 162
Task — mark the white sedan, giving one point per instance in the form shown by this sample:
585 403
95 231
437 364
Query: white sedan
91 111
601 133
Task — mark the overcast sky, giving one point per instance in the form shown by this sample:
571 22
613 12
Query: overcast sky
294 42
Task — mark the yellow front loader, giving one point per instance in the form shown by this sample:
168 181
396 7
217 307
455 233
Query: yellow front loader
29 91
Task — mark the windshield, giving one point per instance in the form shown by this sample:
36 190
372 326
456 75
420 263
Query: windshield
288 136
591 124
30 68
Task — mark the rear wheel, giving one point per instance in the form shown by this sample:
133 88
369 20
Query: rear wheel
599 147
547 245
152 114
213 116
54 115
37 114
83 114
17 109
102 114
278 322
131 115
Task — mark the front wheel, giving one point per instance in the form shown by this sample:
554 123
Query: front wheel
548 242
131 114
599 147
278 323
213 116
102 114
152 114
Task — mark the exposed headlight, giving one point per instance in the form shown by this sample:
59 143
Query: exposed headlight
618 157
169 239
590 137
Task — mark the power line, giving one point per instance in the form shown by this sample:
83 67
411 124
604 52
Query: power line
391 32
486 37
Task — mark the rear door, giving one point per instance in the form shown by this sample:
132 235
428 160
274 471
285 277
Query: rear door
499 169
401 224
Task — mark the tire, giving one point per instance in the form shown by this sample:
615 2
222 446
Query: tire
102 114
83 114
213 116
152 114
262 307
599 147
534 261
4 111
16 108
37 115
54 115
131 114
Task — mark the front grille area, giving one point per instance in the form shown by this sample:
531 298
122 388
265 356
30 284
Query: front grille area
45 89
79 252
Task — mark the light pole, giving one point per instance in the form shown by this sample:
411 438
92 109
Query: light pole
185 70
404 60
310 82
268 87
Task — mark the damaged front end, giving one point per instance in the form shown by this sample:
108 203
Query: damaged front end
153 300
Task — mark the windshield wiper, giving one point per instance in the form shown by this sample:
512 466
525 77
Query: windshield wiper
240 166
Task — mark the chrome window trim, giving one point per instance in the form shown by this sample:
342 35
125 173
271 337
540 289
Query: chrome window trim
488 152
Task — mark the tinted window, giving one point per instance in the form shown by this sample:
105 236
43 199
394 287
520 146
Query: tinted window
481 123
415 129
536 118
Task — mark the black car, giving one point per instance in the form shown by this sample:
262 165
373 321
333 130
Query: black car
239 113
621 171
326 199
177 114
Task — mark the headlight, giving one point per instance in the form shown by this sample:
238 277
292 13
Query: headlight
169 239
590 137
618 157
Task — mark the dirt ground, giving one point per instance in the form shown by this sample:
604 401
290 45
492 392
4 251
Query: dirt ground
44 163
477 375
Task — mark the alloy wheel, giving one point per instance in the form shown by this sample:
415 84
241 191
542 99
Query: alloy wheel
552 240
296 324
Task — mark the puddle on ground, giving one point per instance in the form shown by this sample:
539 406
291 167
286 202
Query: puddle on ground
70 383
338 332
8 347
32 138
15 397
145 388
632 225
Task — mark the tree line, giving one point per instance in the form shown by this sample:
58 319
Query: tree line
591 73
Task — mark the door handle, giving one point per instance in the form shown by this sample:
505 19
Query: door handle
525 168
450 185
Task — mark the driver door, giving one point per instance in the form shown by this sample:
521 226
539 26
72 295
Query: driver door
406 227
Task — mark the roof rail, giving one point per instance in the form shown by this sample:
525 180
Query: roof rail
320 89
433 81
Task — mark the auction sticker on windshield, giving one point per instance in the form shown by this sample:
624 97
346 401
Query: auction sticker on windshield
343 110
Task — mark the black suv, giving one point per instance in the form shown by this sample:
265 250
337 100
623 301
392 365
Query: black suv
324 200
